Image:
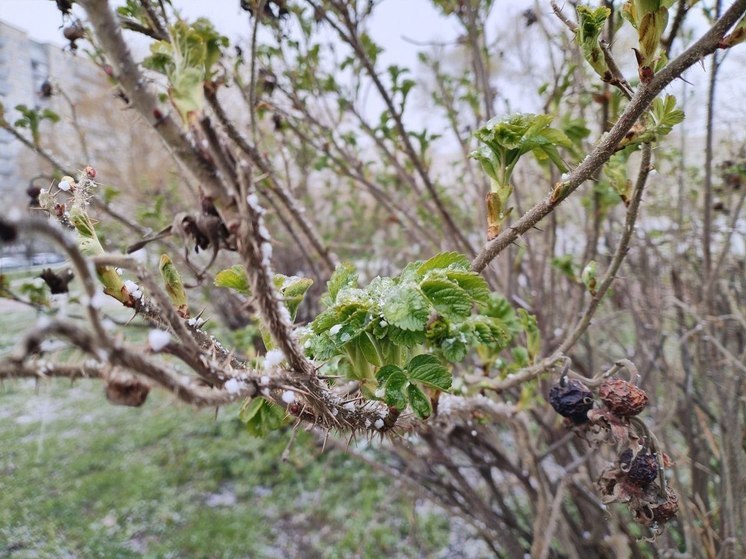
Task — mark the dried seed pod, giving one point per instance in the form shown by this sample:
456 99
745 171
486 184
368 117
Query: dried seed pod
571 399
641 469
668 509
622 398
657 511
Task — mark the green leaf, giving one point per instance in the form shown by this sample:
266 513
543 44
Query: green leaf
428 370
665 115
591 23
419 401
394 390
471 282
533 339
453 349
174 285
385 373
405 308
344 275
406 338
234 278
447 297
366 346
293 289
262 416
444 260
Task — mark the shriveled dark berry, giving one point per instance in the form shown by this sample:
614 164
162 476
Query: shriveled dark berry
57 282
641 469
571 399
622 398
8 232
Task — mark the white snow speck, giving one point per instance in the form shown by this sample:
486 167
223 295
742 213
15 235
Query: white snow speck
335 411
273 358
158 339
288 396
285 314
334 330
234 386
263 232
133 289
266 253
264 380
97 301
473 433
349 406
378 424
64 185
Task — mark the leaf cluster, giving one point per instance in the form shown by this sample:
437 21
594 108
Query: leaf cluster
429 306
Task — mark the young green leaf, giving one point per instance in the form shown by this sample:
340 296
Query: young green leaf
234 278
344 275
591 22
471 282
444 260
405 308
447 297
385 373
262 416
419 401
293 289
394 388
428 370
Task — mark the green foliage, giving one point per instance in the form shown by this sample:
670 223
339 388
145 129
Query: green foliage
35 291
234 278
262 416
32 119
589 276
505 142
661 118
400 387
427 309
174 285
292 288
650 18
187 59
664 116
591 22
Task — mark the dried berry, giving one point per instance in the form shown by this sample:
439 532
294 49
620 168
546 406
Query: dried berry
622 398
571 399
8 232
90 172
129 392
657 511
667 510
57 282
641 469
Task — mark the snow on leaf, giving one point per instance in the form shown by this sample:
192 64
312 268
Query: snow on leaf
405 308
444 260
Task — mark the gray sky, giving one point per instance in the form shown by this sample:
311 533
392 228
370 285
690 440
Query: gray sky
418 20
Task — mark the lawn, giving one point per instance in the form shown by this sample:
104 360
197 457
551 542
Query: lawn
82 478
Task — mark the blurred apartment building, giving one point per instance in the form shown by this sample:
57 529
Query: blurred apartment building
27 70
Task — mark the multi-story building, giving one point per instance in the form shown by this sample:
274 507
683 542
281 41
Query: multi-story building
80 95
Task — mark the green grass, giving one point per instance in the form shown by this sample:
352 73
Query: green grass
81 478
